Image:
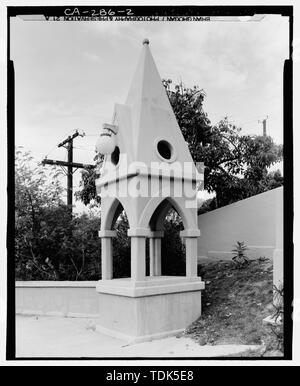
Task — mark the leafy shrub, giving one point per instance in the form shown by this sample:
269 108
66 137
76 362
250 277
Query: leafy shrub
278 303
60 248
239 258
277 328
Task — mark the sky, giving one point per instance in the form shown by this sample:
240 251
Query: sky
69 75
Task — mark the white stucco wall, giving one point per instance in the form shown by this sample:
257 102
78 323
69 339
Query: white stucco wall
252 220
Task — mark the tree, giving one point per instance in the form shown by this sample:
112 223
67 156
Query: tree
236 166
33 195
187 104
50 243
81 249
88 194
274 180
32 189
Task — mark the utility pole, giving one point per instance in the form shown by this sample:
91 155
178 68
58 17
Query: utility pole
264 122
264 127
68 144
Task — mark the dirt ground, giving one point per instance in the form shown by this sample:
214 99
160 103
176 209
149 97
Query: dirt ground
235 302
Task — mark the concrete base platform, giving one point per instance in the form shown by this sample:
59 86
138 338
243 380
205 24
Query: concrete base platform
141 311
133 311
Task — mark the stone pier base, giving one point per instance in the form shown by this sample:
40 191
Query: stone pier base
151 309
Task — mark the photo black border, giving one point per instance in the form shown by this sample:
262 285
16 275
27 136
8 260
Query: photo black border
13 11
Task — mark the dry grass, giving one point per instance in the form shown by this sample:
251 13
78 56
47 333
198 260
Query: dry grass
234 304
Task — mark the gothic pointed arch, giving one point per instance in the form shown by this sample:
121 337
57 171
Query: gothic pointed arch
112 212
157 208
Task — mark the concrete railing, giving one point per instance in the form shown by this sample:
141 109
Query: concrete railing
60 298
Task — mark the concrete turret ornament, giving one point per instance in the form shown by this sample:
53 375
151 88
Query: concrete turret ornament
148 170
106 142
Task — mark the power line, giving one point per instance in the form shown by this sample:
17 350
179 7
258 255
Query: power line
56 145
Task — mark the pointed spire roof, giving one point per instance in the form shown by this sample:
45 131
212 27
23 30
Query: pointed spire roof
151 115
146 84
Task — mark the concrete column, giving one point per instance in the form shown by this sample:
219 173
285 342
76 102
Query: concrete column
191 256
155 252
191 239
138 257
151 255
157 256
106 254
106 258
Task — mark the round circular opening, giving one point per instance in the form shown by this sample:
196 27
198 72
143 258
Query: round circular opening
115 156
165 149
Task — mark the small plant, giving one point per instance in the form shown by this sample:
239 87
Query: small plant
239 258
278 303
277 328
